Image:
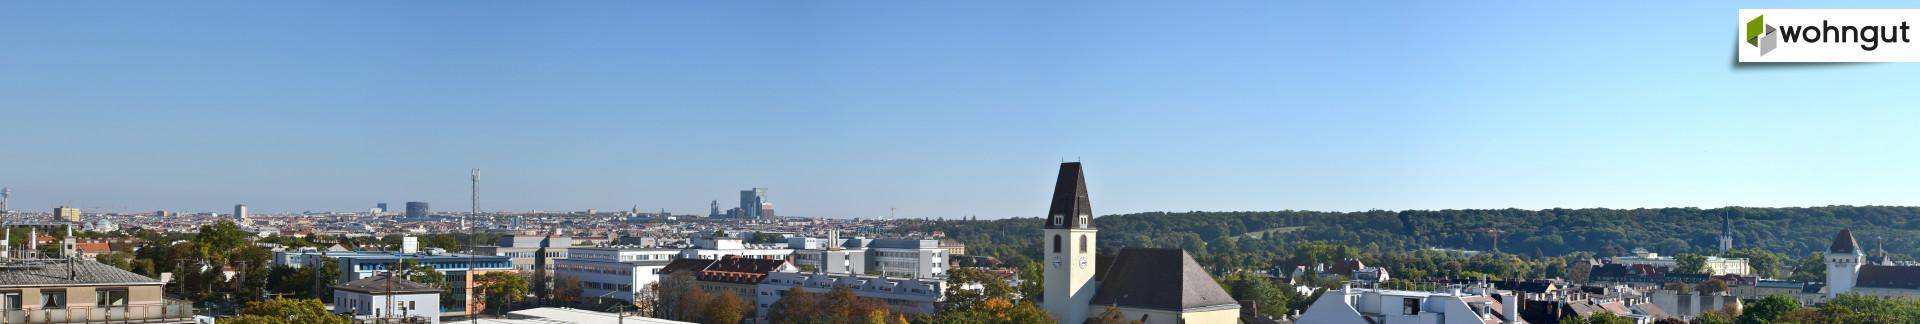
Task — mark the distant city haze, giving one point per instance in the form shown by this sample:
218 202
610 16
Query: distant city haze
949 109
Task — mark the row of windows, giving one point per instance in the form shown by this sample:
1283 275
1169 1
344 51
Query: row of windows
442 266
57 299
606 286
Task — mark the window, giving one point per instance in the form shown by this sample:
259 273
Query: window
1083 244
13 301
1057 219
1056 244
1084 221
413 304
110 298
53 299
1410 306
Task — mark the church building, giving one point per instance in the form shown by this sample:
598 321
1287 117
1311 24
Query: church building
1145 284
1849 271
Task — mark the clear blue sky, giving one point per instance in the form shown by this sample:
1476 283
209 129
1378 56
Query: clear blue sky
947 108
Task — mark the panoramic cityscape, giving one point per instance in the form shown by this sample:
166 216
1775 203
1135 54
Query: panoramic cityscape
980 162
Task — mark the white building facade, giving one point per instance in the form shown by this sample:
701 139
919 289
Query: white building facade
614 273
902 295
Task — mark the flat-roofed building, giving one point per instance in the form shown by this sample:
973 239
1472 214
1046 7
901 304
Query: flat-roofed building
902 295
613 273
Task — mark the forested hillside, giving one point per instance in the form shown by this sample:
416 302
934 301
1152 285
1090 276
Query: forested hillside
1263 239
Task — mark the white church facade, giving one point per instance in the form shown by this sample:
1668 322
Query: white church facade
1154 286
1850 271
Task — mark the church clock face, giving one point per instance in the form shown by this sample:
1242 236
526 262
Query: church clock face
1083 262
1056 262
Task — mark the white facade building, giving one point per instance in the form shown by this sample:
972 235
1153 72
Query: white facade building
714 248
376 297
1350 305
902 295
1715 265
613 272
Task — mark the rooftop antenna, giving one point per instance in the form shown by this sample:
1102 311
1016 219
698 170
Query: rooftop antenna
471 259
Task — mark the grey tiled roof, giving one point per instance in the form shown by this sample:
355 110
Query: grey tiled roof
56 273
1140 278
377 284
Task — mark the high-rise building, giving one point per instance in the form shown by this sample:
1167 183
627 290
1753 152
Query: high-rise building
750 201
416 210
66 213
240 213
5 194
716 210
381 206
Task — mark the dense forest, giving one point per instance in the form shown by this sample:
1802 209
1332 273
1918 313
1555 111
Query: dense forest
1549 239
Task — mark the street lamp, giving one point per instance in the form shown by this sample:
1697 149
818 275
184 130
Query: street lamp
623 306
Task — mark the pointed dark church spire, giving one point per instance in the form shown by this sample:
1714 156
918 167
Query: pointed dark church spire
1844 243
1071 209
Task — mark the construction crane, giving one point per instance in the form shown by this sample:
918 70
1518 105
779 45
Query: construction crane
1491 232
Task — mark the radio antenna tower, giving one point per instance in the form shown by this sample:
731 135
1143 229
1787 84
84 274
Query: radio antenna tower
474 196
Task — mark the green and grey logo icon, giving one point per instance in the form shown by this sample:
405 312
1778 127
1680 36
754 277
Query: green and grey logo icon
1760 34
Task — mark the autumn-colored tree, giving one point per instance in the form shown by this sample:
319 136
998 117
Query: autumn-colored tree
567 289
687 304
1113 315
798 306
724 309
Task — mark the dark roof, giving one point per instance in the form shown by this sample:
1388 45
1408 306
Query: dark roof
1844 243
378 285
1879 276
1070 199
690 265
1138 278
731 268
83 272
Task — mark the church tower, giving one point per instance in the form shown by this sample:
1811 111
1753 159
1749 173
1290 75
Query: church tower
1070 249
1843 263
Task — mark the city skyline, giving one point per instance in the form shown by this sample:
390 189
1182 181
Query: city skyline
939 110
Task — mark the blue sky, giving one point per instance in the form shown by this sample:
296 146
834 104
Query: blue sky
945 109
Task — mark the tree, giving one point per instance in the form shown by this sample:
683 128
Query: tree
1711 286
1112 315
287 311
1689 263
1812 268
1766 310
646 301
991 287
1765 264
568 290
687 304
1271 299
500 288
799 306
724 309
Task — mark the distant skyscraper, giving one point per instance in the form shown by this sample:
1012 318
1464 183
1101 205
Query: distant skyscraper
416 210
240 213
5 194
750 201
381 206
716 210
67 213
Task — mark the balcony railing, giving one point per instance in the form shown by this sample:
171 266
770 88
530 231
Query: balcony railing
170 312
